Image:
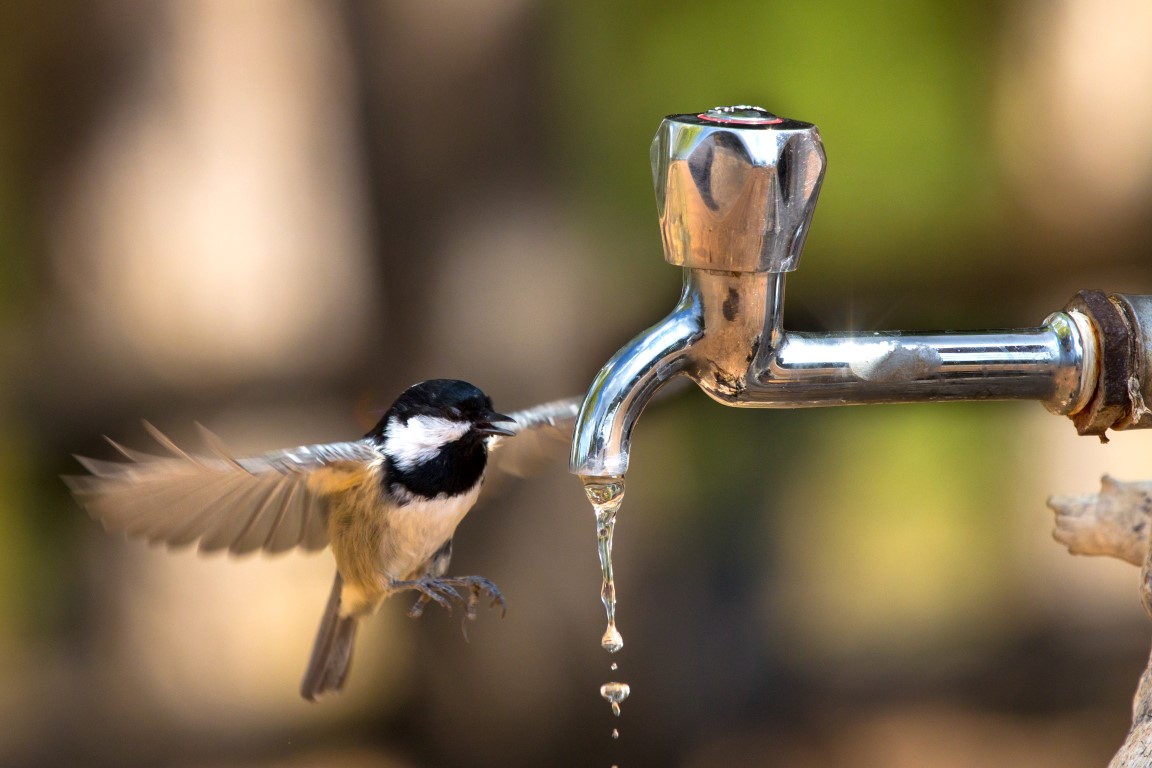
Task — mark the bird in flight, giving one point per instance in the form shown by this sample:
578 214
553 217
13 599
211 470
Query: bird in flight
387 504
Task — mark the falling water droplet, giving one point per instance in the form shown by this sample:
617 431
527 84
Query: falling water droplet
614 666
611 641
614 693
615 733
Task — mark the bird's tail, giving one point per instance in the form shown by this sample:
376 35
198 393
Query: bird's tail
332 652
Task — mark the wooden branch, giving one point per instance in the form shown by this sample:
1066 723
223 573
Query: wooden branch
1117 523
1136 752
1114 522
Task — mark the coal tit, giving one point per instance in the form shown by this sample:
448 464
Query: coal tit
388 504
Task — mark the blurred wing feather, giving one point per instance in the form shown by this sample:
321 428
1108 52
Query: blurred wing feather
543 436
239 504
544 433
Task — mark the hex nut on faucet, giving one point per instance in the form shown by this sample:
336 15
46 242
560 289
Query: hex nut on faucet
736 188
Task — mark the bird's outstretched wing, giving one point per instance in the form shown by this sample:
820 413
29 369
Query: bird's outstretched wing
543 435
272 502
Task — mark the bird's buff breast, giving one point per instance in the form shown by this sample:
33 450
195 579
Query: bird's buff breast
418 529
376 541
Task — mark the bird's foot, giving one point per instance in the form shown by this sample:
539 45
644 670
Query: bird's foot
445 591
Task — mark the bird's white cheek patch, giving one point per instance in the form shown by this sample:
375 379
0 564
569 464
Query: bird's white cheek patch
421 438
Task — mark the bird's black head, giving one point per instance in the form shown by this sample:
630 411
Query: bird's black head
443 398
434 437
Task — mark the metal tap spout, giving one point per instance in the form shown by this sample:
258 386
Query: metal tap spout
624 386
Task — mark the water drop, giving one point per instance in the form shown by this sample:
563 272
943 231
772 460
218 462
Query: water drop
615 733
604 491
614 693
614 666
611 641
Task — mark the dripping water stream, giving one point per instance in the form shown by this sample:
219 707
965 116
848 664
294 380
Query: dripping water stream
606 495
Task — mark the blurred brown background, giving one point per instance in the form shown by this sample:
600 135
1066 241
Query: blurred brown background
273 216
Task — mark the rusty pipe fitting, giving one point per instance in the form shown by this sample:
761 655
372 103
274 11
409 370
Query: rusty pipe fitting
1122 327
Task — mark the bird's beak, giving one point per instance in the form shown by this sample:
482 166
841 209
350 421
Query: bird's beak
492 425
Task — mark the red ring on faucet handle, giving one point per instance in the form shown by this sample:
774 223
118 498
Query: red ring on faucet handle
732 116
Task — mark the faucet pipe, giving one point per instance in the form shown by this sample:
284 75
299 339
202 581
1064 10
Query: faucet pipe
726 335
762 365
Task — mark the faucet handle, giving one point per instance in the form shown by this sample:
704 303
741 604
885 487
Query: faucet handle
736 188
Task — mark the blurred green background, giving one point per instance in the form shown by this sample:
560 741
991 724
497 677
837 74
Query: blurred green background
273 216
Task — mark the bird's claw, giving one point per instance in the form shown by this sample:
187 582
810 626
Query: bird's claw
445 591
417 609
478 585
430 591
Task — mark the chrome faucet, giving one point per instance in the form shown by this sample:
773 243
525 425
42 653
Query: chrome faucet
735 189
